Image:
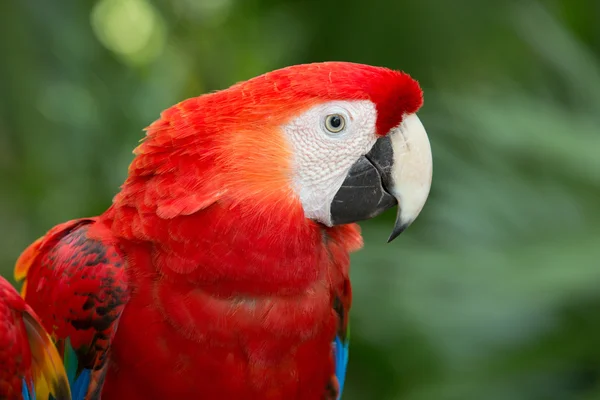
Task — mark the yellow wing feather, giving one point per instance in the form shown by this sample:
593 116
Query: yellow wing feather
48 371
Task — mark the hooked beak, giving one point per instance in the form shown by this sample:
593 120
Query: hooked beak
397 170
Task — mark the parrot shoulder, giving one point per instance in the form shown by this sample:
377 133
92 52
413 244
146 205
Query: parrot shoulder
75 280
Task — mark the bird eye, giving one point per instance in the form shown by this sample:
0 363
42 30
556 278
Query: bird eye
335 123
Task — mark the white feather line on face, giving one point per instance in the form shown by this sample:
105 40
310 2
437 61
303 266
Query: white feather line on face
322 159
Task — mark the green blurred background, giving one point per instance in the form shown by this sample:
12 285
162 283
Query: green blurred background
494 293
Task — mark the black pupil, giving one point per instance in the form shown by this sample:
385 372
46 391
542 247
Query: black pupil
335 121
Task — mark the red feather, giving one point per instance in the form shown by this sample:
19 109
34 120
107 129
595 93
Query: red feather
15 355
27 355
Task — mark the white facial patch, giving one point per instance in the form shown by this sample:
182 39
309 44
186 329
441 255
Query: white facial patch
323 158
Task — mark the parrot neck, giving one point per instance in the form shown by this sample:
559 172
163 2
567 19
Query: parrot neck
232 251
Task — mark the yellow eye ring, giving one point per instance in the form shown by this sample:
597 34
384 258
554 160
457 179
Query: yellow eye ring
335 123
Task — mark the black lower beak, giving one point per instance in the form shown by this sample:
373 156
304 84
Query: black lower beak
364 194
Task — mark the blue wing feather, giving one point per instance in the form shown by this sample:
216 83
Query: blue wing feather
79 382
27 391
341 349
80 387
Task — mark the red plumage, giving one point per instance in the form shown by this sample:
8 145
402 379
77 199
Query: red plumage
29 362
221 288
15 355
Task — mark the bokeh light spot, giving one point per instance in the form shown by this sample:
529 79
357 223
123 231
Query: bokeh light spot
133 29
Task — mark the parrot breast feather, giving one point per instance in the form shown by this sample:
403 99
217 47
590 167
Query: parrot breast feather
75 280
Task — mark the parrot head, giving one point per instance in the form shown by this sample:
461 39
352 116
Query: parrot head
339 141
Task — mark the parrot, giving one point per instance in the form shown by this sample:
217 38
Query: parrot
221 268
30 365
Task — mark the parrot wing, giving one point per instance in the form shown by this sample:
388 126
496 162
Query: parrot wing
27 353
341 350
75 279
341 342
48 371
